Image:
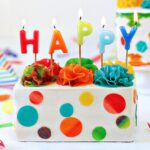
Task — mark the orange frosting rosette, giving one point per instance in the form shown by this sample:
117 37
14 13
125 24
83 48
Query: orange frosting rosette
75 75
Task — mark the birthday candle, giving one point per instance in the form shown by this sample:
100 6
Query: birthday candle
106 37
24 42
83 29
57 42
129 36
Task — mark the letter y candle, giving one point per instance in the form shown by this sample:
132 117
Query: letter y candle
129 36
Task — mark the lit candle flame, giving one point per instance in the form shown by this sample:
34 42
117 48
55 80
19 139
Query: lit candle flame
23 22
135 17
54 22
103 22
80 13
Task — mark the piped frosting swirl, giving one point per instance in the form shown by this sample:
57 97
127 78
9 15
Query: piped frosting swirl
75 75
113 76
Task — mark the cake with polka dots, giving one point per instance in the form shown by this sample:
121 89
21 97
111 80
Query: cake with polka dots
76 102
139 54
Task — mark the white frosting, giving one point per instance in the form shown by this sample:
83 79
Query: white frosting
91 116
134 9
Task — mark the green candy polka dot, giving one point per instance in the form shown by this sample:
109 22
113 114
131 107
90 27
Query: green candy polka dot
27 116
123 122
99 133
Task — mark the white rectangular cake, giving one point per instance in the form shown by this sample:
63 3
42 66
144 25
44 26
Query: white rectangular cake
85 113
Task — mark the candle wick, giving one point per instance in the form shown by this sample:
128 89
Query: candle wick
80 18
23 27
54 27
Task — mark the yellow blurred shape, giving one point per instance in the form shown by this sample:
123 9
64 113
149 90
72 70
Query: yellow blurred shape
8 107
123 64
128 3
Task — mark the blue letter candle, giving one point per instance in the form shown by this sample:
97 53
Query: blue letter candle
106 37
128 36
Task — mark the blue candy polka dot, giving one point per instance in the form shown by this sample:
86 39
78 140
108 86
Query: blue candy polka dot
27 116
66 110
141 46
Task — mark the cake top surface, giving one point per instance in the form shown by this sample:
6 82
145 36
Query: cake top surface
55 86
46 72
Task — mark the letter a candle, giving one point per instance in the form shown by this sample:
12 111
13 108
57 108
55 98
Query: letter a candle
129 36
24 42
83 29
57 42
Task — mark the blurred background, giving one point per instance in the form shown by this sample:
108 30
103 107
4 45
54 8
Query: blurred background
38 15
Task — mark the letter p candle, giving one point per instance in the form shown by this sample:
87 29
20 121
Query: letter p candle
106 37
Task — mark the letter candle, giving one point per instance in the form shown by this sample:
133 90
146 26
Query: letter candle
24 42
57 42
106 37
83 29
103 23
129 36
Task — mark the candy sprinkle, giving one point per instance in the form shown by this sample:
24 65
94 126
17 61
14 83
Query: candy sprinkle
4 97
5 125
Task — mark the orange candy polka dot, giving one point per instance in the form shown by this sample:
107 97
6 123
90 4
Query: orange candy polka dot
71 127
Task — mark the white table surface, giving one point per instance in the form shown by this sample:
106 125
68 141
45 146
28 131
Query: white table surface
142 136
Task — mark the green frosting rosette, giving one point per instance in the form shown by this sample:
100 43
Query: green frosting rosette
85 62
113 76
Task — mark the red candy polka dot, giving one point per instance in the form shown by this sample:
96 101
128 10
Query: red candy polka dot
114 103
36 97
71 127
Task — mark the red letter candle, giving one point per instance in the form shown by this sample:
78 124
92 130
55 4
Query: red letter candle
25 42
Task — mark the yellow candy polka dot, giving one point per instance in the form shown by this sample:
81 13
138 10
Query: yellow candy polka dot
86 98
8 107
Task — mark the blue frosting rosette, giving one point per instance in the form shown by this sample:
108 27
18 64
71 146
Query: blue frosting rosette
145 4
113 76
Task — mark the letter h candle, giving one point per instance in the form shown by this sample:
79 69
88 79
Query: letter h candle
24 42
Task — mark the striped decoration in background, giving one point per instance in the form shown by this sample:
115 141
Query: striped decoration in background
8 77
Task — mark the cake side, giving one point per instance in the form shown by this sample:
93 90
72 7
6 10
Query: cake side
86 109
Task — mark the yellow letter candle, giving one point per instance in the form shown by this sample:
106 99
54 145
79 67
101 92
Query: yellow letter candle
83 29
